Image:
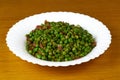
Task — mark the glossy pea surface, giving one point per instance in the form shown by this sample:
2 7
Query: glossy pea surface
59 41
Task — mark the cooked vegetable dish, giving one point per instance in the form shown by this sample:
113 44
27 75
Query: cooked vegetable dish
59 41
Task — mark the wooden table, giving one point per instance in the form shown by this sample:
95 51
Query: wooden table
106 67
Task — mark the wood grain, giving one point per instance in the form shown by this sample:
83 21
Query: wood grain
106 67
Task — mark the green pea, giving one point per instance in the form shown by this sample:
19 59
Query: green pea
75 41
35 50
58 60
38 56
69 34
73 49
61 42
49 57
37 45
82 54
67 50
66 41
62 39
82 42
66 59
30 51
63 52
31 39
69 58
46 50
70 40
86 44
76 36
56 55
43 57
52 32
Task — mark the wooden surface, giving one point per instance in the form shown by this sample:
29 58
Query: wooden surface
106 67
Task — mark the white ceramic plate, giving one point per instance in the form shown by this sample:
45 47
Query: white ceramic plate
16 35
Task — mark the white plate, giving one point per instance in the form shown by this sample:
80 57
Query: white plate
16 35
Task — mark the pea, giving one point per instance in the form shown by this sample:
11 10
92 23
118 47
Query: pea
66 59
43 57
86 44
73 49
46 50
76 36
35 50
62 39
82 54
82 42
57 55
63 53
66 41
70 40
49 57
50 53
74 41
58 60
38 56
30 51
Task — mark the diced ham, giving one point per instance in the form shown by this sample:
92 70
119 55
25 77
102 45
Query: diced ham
41 46
59 47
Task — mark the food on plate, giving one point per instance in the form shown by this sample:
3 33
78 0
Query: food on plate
59 41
